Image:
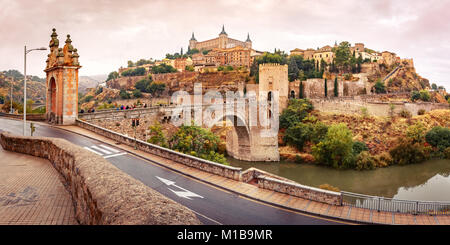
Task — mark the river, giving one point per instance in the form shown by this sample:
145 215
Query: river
427 181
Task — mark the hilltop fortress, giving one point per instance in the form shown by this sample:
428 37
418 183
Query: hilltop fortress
220 42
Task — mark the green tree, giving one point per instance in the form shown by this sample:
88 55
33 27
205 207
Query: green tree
425 95
124 94
296 111
197 141
137 93
379 87
358 147
156 88
2 99
407 152
163 68
342 56
301 92
434 86
415 95
142 85
326 88
292 70
438 137
130 63
336 149
416 132
157 136
112 75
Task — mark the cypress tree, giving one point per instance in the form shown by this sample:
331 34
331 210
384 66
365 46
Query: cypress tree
300 94
336 94
326 95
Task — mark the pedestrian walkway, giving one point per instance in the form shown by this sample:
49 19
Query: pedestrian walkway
31 192
269 197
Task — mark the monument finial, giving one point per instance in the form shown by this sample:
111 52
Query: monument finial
223 30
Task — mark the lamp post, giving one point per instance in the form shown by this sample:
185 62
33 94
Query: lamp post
25 87
11 97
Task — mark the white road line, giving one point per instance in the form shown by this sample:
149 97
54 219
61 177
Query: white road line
100 149
110 149
116 155
98 153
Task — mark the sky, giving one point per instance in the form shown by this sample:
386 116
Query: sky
108 33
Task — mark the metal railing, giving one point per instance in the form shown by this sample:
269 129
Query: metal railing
395 205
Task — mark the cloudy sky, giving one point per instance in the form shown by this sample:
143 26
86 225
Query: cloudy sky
107 33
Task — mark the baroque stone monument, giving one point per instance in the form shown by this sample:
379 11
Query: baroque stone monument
62 82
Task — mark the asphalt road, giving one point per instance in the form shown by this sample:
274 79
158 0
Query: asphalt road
212 205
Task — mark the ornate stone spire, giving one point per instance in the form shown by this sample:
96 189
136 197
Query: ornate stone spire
223 30
248 38
54 42
193 38
69 43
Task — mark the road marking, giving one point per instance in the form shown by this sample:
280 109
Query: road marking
110 149
100 149
116 155
89 149
184 193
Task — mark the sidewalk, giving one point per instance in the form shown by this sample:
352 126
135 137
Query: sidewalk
32 193
273 198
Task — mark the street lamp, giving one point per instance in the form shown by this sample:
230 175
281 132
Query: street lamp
25 87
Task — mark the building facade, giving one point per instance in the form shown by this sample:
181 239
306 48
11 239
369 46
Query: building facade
220 42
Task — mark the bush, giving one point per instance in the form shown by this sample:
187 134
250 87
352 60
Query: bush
319 131
415 95
358 147
124 94
336 149
416 132
408 152
438 137
157 136
134 72
405 113
364 112
421 112
447 153
296 111
365 161
425 95
383 160
99 90
163 68
137 93
380 88
88 98
298 135
142 85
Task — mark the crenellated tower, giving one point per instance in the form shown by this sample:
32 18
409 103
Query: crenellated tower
62 82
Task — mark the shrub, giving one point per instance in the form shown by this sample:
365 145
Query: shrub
296 111
157 136
405 113
137 93
379 87
416 132
447 153
415 95
88 98
383 160
124 94
99 90
424 95
336 149
142 85
298 159
298 135
421 112
365 161
364 112
358 147
319 131
438 137
407 152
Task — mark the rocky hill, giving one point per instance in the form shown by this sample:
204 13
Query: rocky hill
35 87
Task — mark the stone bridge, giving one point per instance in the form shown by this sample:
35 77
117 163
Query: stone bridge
254 136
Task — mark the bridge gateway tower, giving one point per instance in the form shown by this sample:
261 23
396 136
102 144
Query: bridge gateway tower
62 82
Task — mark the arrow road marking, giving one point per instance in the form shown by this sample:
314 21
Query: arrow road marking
185 193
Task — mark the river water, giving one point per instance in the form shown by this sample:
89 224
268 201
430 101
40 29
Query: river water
427 181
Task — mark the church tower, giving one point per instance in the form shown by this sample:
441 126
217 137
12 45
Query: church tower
192 42
248 42
223 38
62 82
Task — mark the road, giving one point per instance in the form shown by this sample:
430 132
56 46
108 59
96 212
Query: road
213 206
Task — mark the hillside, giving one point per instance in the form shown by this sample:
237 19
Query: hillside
35 87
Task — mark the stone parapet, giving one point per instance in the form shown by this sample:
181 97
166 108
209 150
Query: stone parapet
30 117
298 190
101 193
191 161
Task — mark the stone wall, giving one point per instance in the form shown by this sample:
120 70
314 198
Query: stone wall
191 161
101 193
302 191
30 117
354 105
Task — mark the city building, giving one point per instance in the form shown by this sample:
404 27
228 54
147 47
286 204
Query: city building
220 42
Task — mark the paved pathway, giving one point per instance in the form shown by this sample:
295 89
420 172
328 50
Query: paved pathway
31 192
280 199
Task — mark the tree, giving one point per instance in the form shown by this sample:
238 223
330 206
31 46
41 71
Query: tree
157 136
415 95
336 149
142 85
112 75
124 94
2 99
292 70
326 88
296 111
438 137
425 95
130 63
416 132
336 94
137 93
408 152
156 89
163 68
342 56
301 92
379 87
197 141
434 86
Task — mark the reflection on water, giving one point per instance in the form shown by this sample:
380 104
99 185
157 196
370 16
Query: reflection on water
425 181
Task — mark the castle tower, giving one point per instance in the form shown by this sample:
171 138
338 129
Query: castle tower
192 42
248 42
223 38
62 82
274 77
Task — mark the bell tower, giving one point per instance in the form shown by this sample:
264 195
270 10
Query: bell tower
62 82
